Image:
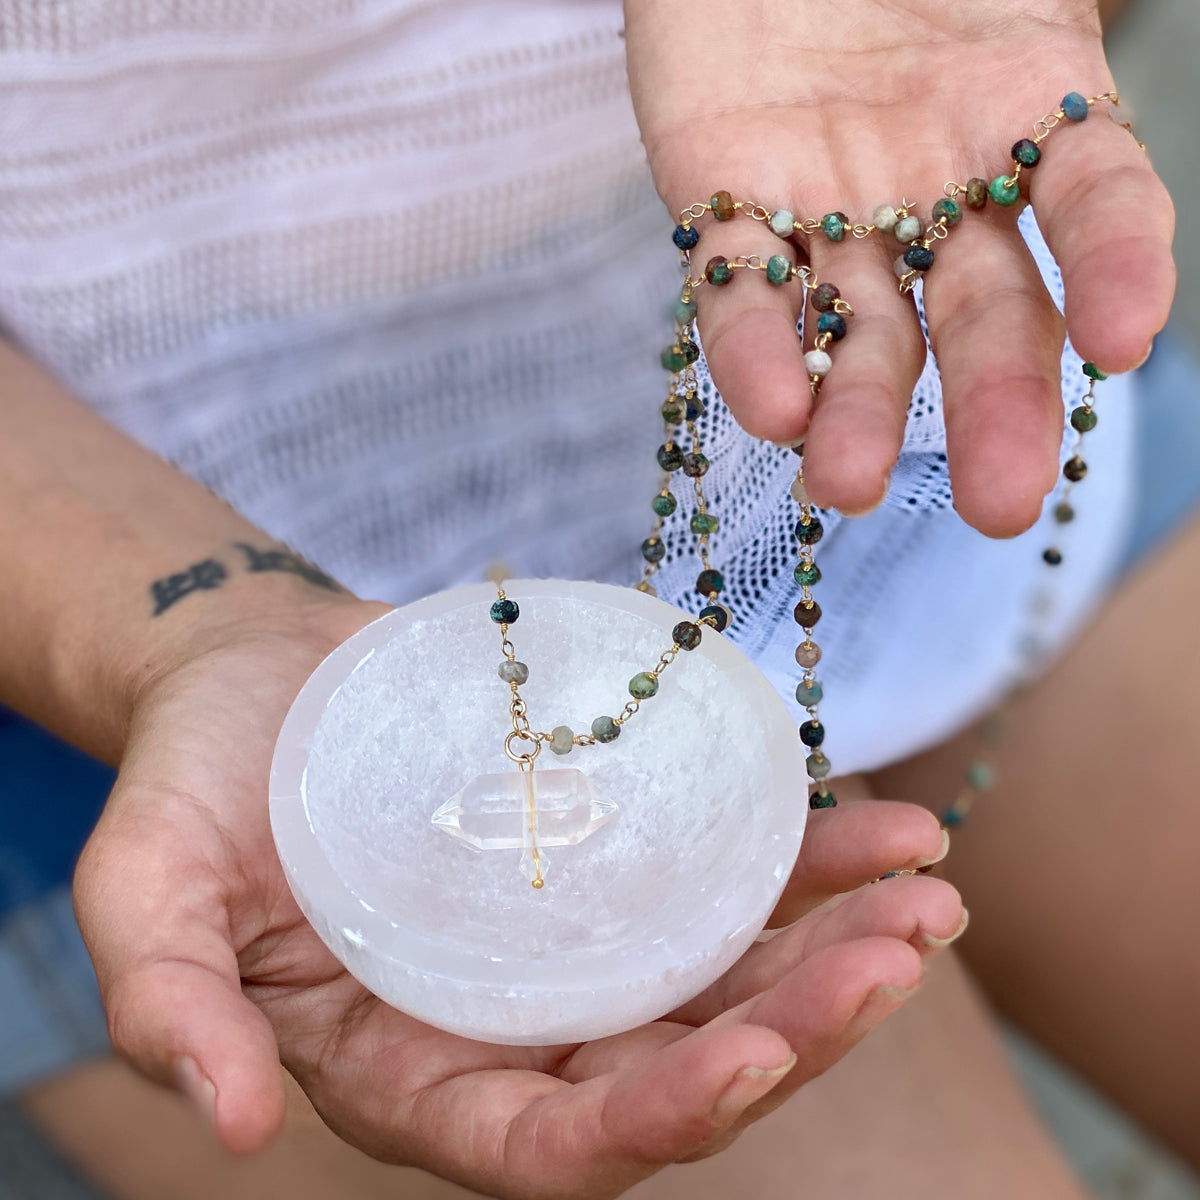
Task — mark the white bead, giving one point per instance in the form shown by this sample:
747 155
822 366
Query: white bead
799 492
781 222
885 218
908 229
817 362
901 267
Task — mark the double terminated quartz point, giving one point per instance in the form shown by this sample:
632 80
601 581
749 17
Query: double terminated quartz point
526 811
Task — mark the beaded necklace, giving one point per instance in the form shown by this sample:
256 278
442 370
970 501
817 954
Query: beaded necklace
683 407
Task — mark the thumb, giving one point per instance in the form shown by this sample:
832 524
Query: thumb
153 907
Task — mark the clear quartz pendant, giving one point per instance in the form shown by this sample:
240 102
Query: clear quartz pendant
527 811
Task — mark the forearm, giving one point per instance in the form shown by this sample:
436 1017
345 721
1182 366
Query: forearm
112 560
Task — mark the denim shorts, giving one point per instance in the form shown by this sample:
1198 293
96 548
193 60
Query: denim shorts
50 795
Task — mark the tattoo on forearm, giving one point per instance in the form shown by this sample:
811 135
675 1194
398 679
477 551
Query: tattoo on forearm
201 576
285 560
212 573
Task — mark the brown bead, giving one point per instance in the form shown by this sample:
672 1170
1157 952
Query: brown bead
1075 469
808 654
718 271
977 193
823 296
807 614
722 205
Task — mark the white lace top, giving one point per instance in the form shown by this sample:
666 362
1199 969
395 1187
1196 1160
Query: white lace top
390 275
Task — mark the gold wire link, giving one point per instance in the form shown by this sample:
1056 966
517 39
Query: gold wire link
842 308
693 212
938 232
953 190
862 231
808 225
757 213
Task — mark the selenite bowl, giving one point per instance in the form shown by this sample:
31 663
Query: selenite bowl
708 779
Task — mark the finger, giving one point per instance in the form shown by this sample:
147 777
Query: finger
857 426
852 844
925 913
748 331
999 351
1109 222
155 922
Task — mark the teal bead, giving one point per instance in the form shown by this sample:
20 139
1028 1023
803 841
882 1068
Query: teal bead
673 359
504 612
674 410
833 225
1093 372
1027 152
705 522
818 765
981 776
779 269
825 799
1004 191
653 550
1075 107
807 574
710 581
809 694
717 271
1083 419
664 504
948 209
605 729
685 311
643 685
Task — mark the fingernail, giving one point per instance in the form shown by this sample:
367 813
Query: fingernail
880 1003
870 508
937 858
198 1088
792 445
936 943
1141 362
747 1086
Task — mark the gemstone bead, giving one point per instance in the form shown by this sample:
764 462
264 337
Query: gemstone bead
782 223
673 411
824 799
833 324
695 464
809 694
605 729
687 635
695 407
808 654
664 504
691 351
779 269
643 685
1083 419
1027 152
513 672
718 271
823 296
981 776
705 522
1093 372
807 613
807 574
977 192
1052 557
686 237
717 615
834 224
1075 107
710 580
901 268
952 818
1075 469
818 765
562 739
948 210
1004 191
504 612
799 491
672 359
722 205
685 311
1064 514
809 533
918 258
908 229
653 550
818 363
812 734
885 218
670 457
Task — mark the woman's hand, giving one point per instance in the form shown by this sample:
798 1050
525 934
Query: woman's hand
211 976
848 104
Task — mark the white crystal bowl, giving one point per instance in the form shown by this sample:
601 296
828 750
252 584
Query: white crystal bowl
657 904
